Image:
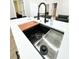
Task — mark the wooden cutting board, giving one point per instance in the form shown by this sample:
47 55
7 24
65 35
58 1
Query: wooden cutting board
28 25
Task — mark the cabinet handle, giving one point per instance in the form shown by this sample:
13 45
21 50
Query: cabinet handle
18 57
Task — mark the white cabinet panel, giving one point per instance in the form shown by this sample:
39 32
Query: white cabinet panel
12 10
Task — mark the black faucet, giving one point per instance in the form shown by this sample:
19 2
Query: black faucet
45 11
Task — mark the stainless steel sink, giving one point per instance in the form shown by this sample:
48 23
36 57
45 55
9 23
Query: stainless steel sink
51 52
54 37
46 40
52 40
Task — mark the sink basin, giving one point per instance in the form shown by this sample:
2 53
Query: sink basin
36 32
46 40
52 40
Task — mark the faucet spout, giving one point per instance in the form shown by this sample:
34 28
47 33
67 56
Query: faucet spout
45 11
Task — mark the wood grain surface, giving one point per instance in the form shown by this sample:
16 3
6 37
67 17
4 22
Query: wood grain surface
28 25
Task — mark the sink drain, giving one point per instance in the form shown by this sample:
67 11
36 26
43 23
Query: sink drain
43 50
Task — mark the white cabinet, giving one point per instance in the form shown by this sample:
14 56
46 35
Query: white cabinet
27 7
12 10
63 7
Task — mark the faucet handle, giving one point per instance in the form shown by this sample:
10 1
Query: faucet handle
45 20
47 13
38 16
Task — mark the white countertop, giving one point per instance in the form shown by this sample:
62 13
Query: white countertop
25 48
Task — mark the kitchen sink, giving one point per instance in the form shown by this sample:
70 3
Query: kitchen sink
35 33
46 40
51 42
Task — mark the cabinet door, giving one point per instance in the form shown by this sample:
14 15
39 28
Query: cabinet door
12 10
19 7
